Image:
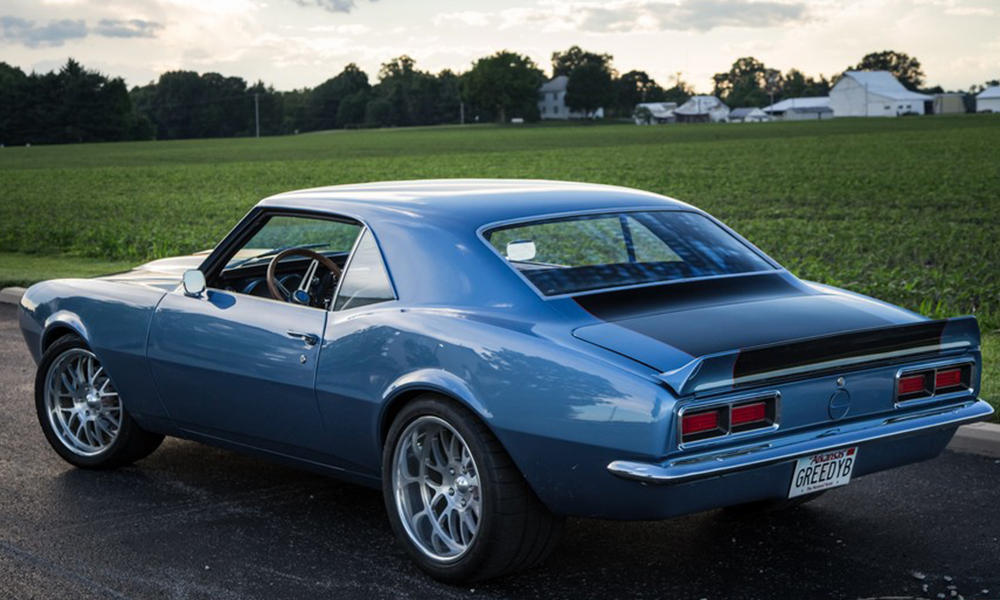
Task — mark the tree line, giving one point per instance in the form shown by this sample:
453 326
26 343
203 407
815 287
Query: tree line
75 104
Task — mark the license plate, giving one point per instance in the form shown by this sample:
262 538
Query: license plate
822 471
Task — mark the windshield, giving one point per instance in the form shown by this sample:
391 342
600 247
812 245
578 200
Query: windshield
591 252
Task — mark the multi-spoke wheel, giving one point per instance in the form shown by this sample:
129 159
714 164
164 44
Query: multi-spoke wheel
457 503
437 488
81 412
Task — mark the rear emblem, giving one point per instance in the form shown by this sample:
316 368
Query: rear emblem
840 404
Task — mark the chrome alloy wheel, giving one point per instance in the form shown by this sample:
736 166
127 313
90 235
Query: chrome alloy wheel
437 492
83 407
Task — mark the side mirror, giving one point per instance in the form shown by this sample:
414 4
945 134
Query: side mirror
521 250
194 283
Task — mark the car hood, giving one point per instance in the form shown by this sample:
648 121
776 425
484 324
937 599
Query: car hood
722 317
164 274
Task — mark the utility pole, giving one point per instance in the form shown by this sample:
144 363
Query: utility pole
461 113
256 112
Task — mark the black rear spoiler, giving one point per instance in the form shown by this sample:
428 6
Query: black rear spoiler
734 369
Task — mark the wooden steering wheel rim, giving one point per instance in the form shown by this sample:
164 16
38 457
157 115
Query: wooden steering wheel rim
272 267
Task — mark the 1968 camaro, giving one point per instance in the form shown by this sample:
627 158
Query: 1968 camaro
497 355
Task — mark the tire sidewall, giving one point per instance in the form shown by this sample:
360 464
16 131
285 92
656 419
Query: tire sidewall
466 567
105 457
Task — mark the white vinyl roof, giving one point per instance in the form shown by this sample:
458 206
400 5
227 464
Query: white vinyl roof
790 103
660 110
697 105
882 83
990 92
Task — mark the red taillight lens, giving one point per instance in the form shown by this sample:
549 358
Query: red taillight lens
700 422
912 384
748 413
948 379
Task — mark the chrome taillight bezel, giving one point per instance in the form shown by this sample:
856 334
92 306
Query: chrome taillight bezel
772 421
930 371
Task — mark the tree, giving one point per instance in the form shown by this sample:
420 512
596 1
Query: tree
323 104
798 85
902 66
590 88
564 63
680 93
636 87
747 83
505 83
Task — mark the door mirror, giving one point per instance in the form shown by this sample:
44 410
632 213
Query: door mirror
194 283
521 250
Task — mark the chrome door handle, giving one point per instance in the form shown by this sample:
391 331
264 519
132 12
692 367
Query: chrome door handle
309 338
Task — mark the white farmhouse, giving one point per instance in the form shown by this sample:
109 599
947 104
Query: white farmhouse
988 100
552 102
876 94
748 114
654 113
702 109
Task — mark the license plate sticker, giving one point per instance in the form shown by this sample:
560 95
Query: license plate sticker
822 471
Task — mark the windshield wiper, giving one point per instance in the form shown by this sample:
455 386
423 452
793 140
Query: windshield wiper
274 251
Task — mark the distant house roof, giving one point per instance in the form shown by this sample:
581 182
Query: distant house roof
556 84
744 112
990 92
790 103
884 84
700 105
659 110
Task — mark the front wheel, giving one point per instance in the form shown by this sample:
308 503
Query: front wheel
456 502
81 413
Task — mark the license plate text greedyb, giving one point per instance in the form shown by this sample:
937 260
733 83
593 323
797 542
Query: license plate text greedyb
826 467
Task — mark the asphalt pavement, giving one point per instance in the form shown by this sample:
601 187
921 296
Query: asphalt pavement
195 522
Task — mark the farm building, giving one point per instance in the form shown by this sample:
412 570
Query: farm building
702 109
949 103
988 100
814 108
654 113
552 101
748 115
876 94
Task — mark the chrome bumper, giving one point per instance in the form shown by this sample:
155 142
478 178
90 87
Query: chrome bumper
722 462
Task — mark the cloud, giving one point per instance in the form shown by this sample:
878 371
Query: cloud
341 6
127 28
629 16
56 33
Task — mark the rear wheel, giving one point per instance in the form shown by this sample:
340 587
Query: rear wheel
81 413
456 502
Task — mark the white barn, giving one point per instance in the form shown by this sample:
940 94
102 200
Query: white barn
552 102
654 113
702 109
748 114
876 94
988 100
811 108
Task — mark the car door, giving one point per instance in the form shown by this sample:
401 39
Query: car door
241 368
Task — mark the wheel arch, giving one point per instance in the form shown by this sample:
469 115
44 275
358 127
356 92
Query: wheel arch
59 325
426 381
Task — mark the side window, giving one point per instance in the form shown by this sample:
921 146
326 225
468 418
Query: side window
365 281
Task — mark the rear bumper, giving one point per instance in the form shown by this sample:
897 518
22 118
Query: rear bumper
690 468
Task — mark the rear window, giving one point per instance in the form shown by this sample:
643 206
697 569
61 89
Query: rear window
592 252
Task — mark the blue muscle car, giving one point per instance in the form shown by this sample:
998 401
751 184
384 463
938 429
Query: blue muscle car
498 355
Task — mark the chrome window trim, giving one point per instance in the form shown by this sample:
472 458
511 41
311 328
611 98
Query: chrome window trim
935 367
730 402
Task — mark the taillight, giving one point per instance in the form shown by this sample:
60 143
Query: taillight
748 413
697 424
948 379
912 384
924 384
700 422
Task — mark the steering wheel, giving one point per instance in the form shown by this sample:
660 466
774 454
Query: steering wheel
302 295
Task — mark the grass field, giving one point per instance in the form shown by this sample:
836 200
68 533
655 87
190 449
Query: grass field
907 210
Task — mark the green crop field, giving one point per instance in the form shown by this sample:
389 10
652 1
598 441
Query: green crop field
907 210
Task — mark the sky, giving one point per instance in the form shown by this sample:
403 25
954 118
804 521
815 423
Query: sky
301 43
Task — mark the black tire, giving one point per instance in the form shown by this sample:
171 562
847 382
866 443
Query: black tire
516 530
132 443
765 507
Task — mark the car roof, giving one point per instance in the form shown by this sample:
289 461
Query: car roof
475 202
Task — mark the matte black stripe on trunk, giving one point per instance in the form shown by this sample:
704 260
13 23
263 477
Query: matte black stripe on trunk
837 347
623 304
